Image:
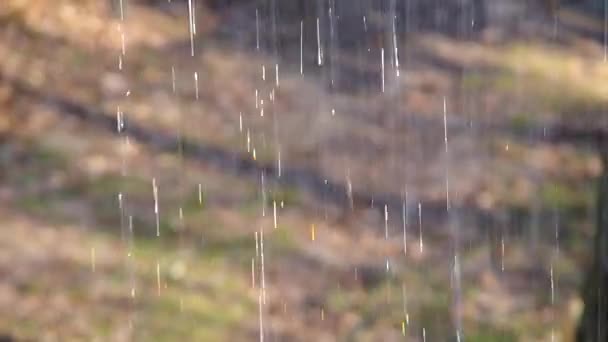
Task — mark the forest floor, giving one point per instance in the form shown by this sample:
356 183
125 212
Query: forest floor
84 256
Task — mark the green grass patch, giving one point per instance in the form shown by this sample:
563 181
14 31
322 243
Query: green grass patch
488 334
567 198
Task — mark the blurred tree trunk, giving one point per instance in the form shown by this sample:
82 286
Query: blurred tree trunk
596 5
594 321
480 14
115 8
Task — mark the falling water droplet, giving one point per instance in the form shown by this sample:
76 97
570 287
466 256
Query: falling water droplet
447 169
301 47
420 226
382 69
319 47
196 84
191 26
276 71
156 211
274 213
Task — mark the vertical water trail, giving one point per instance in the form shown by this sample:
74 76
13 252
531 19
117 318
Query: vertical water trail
302 47
126 219
319 47
386 233
420 243
156 209
131 272
382 72
191 26
405 220
447 157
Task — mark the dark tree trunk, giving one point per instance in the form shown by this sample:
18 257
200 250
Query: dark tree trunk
480 14
593 326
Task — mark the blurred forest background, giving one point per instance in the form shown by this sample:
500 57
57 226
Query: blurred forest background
303 170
